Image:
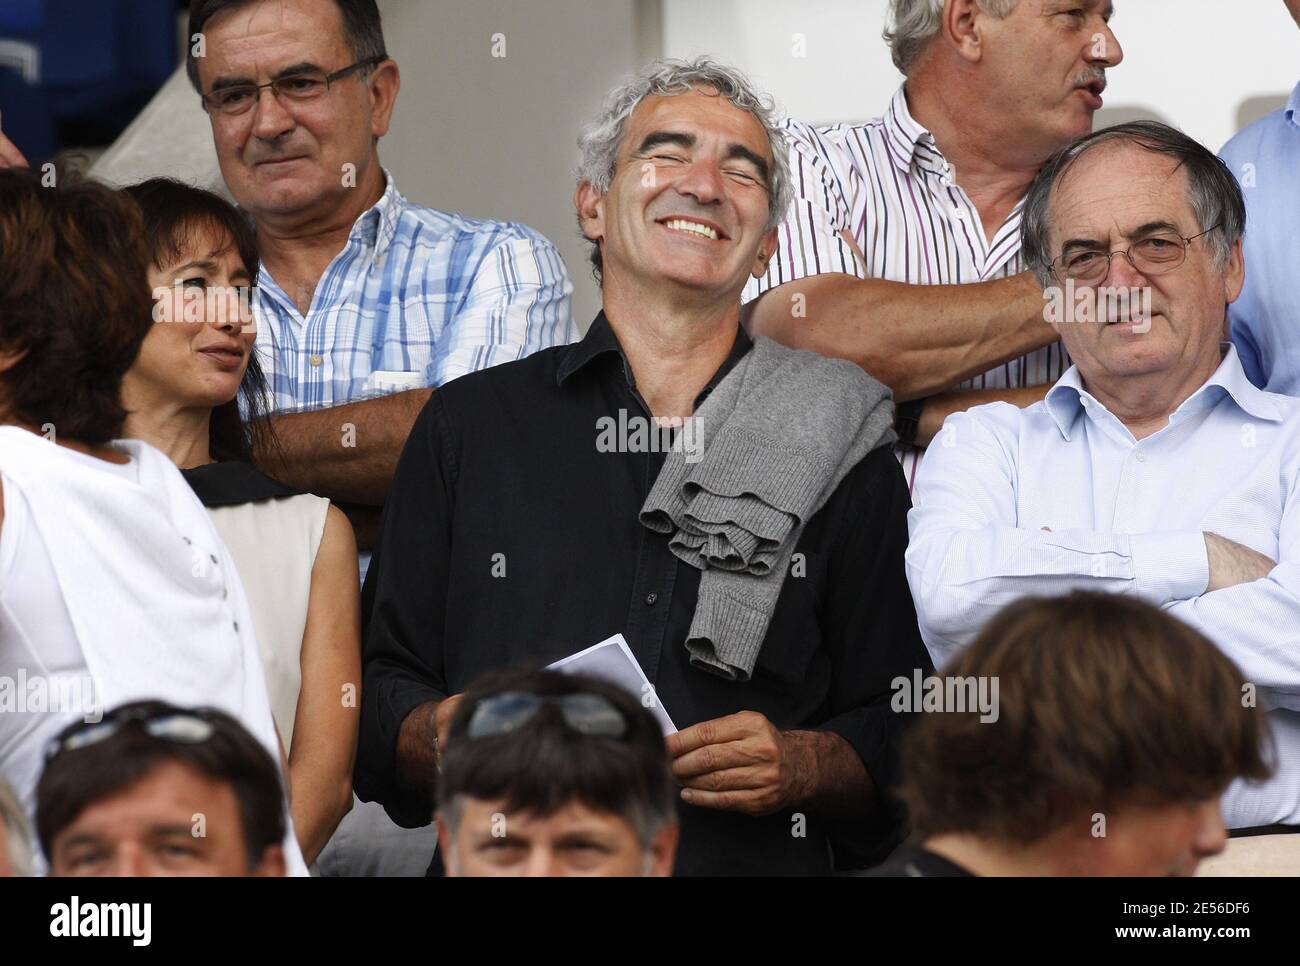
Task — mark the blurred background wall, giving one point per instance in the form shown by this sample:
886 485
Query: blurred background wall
493 136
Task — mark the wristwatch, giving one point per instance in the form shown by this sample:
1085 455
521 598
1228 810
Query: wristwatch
907 420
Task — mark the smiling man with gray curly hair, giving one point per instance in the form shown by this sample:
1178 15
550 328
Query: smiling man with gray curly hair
778 674
602 137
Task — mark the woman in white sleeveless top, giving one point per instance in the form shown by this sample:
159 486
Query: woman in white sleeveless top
295 553
114 585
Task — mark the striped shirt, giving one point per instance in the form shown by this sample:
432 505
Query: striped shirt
888 186
416 298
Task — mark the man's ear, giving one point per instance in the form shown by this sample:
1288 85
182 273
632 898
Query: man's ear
962 28
385 81
590 205
1234 276
272 864
663 850
764 254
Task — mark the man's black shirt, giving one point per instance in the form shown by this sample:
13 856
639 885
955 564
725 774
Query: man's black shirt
510 540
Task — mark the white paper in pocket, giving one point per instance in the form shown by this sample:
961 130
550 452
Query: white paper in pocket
385 381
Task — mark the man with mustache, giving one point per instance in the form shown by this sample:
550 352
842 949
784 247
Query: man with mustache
901 249
514 537
1153 467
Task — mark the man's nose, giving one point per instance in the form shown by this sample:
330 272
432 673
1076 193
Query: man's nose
128 861
1103 49
702 181
270 119
1123 273
542 863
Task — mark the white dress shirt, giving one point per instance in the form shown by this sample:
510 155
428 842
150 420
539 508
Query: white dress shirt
1126 516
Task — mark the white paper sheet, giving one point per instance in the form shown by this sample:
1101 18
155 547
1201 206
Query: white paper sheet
612 660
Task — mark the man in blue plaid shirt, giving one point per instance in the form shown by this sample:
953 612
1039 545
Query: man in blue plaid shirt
365 301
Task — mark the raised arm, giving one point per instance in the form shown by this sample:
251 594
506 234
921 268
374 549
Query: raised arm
346 453
917 339
517 303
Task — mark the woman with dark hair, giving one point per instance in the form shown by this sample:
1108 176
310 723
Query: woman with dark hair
295 553
114 584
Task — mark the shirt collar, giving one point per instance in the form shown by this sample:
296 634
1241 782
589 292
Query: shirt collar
904 135
1293 106
1065 399
378 223
600 340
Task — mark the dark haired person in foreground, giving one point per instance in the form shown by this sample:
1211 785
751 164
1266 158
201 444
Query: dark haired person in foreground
554 774
295 552
114 584
153 789
1153 467
1118 729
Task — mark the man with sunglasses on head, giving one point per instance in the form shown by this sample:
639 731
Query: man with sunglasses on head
156 790
549 774
1153 467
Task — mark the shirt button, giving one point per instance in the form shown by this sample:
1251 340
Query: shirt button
236 623
315 360
213 558
225 592
650 599
1140 456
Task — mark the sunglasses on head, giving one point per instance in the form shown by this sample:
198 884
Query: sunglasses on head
592 715
180 727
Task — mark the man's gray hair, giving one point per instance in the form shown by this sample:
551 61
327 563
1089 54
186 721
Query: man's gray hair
1212 190
914 23
18 831
602 137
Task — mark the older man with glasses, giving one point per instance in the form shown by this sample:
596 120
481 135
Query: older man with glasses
1153 467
